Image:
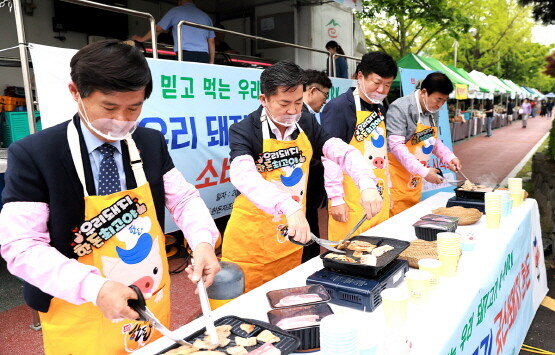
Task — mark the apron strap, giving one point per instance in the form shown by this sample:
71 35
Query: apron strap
356 96
136 162
75 149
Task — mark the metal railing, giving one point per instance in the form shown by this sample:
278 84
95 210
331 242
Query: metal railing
331 57
123 10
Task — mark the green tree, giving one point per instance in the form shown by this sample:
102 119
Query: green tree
544 10
498 27
401 27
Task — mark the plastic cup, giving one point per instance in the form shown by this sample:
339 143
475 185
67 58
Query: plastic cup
395 304
338 335
493 220
449 264
433 266
522 193
418 283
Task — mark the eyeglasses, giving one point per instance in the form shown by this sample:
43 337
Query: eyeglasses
326 94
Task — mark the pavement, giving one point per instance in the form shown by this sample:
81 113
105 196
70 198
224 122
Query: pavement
484 158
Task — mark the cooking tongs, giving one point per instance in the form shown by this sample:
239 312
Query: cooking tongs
348 236
443 179
314 239
139 306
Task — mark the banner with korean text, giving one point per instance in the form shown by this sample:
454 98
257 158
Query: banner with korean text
501 313
192 104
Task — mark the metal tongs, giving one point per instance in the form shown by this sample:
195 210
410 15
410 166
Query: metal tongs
321 242
444 180
139 306
206 310
357 226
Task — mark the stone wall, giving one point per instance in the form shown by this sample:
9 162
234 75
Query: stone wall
543 190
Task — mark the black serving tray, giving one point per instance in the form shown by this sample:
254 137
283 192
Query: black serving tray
288 343
362 269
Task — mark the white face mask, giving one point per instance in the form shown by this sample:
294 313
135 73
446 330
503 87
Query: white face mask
284 120
108 128
373 97
426 105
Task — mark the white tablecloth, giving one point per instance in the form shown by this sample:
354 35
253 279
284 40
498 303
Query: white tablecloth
486 309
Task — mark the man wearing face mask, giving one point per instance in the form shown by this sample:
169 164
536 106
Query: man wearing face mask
271 151
83 211
358 117
412 131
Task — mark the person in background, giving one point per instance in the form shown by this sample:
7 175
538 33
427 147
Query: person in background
198 44
271 151
543 111
357 117
412 134
511 110
550 108
488 109
221 45
526 108
318 86
83 212
341 68
533 105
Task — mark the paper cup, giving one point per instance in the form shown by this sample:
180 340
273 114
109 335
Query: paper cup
515 184
517 198
418 283
433 266
493 220
449 264
395 304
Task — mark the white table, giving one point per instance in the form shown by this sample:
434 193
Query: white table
464 316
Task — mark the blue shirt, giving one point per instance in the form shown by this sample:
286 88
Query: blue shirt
193 39
96 157
341 68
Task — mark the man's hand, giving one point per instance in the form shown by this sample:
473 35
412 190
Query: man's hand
433 177
340 212
206 264
112 301
371 202
137 38
298 227
455 165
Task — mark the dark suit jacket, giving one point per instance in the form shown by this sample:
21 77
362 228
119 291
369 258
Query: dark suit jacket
40 169
339 115
315 192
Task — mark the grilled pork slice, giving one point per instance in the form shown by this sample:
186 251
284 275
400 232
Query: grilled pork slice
245 341
267 336
236 350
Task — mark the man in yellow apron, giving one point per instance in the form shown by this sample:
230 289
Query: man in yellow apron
271 151
412 131
358 117
82 205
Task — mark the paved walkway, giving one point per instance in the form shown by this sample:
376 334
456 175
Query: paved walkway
490 159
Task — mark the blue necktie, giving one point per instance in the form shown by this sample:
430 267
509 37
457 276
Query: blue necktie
108 176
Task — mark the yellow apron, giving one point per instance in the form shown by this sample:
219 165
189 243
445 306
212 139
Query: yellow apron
370 139
253 238
407 188
121 236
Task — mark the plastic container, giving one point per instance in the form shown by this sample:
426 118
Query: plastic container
228 284
362 269
288 343
15 126
308 335
428 230
440 218
274 297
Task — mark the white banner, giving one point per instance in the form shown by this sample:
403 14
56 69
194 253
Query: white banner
192 104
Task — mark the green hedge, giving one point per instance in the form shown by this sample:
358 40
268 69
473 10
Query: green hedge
551 145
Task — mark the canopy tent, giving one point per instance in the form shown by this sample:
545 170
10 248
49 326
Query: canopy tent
504 88
439 66
550 95
519 90
539 94
465 75
484 80
532 92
